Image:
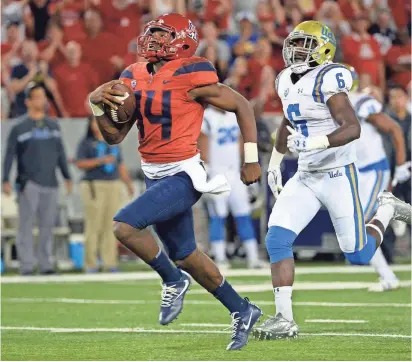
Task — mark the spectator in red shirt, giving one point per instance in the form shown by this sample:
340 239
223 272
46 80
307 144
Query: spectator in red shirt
121 17
69 15
268 30
219 12
398 60
99 47
362 51
52 48
75 80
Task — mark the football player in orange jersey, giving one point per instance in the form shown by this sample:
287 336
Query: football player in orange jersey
171 89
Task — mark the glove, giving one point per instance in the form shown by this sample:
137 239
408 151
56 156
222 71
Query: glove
402 173
275 181
297 142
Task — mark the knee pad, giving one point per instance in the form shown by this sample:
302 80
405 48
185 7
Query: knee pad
279 242
363 257
244 227
216 229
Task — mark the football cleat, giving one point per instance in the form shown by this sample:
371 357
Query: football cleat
276 328
402 210
242 324
385 285
173 294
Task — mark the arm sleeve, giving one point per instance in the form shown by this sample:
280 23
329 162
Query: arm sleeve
331 80
10 153
367 106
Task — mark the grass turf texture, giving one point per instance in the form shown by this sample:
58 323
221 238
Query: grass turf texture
186 345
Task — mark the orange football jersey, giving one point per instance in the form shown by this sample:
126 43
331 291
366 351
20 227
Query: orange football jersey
168 120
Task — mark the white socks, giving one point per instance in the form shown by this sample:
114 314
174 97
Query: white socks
381 266
283 301
251 249
219 251
384 214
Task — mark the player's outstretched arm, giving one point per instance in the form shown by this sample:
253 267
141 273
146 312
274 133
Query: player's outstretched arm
225 98
387 125
113 133
343 113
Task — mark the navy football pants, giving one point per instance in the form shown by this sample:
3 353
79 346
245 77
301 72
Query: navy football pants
166 204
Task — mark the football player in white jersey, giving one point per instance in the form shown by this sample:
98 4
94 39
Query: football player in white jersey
320 125
374 168
220 145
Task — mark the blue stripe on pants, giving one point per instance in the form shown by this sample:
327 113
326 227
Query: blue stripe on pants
360 231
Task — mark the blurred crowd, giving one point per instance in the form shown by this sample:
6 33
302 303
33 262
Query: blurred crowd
71 46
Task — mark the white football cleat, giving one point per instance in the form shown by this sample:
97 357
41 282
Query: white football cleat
385 285
402 210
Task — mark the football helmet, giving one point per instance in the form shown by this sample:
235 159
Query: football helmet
355 77
309 45
181 42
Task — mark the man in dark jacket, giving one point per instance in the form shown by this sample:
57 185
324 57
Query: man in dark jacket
36 141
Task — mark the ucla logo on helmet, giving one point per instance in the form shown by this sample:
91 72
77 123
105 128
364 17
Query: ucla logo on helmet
328 35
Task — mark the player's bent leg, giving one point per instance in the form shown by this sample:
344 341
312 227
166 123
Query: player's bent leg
373 181
161 202
244 314
294 209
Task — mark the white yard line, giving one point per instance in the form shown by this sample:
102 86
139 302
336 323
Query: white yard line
267 287
197 302
107 277
205 325
161 331
350 321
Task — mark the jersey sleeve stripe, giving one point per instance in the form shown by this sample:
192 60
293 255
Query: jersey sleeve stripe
126 74
317 94
195 67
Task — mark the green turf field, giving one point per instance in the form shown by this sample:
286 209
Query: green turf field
118 321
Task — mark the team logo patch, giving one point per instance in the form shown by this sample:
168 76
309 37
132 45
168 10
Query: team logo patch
286 92
300 90
191 31
133 84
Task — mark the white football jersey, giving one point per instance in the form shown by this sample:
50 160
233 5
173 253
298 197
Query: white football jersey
304 105
223 132
369 147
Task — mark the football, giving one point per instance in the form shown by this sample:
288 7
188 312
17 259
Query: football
124 113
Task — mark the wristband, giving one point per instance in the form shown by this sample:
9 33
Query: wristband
251 152
97 110
275 159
